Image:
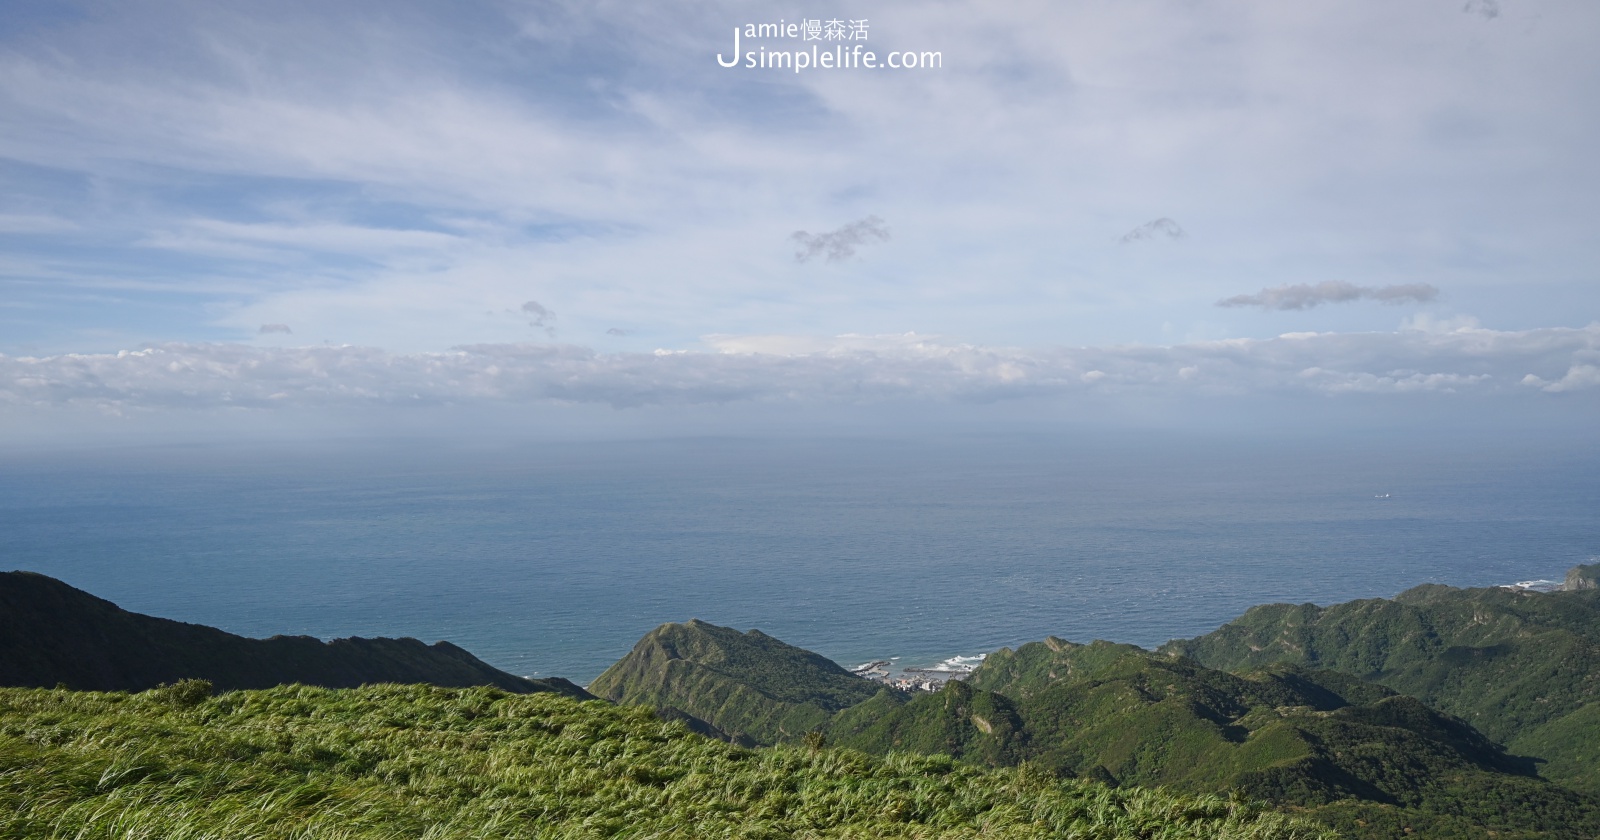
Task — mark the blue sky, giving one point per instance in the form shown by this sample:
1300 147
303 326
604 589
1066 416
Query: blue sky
224 206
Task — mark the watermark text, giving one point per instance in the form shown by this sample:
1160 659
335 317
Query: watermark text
836 44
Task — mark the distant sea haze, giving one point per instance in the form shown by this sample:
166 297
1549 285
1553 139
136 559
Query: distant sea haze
553 559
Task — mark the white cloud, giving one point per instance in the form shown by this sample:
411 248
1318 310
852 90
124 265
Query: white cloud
33 223
1393 382
1428 322
774 369
296 165
1307 296
209 234
1577 378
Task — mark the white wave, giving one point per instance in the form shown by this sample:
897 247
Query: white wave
961 663
1534 585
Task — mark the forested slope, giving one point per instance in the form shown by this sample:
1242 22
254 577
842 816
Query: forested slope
1523 667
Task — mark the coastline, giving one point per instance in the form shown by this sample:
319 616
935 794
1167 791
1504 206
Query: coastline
918 676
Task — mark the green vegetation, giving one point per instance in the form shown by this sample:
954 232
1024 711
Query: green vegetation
751 686
1347 752
418 761
1038 665
1523 667
1343 750
974 725
1569 746
1329 712
51 633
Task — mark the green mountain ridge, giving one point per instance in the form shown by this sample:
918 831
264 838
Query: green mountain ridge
388 760
750 686
53 634
1351 752
1384 718
966 723
1523 667
1344 750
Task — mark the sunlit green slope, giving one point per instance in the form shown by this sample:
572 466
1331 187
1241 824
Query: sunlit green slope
422 762
1346 751
1523 667
751 686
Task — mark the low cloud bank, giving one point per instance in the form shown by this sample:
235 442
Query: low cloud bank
774 369
1306 296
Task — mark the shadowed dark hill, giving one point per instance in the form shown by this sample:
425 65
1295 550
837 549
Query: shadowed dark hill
52 634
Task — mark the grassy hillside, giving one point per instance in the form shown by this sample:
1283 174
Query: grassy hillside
1523 667
748 685
970 724
1568 747
417 761
1350 753
1036 666
51 633
1120 714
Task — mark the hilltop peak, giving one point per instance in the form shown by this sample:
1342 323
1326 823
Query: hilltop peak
747 684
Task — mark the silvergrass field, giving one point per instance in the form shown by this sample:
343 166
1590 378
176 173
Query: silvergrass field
392 761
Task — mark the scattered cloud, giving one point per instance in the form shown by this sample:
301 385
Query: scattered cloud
540 317
841 244
1427 322
1154 230
326 238
387 185
15 223
1577 378
1306 295
618 331
275 328
850 369
1403 293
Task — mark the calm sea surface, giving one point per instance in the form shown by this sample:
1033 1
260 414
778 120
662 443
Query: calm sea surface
554 559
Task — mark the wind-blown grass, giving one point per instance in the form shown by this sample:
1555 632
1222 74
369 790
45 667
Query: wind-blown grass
421 762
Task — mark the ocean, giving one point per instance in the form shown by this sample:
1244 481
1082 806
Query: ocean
552 559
